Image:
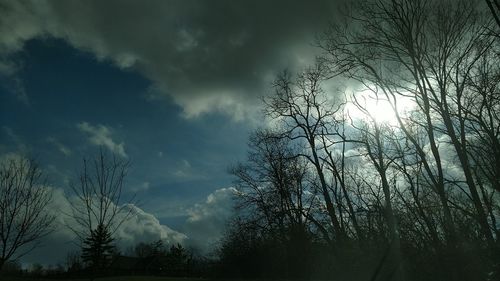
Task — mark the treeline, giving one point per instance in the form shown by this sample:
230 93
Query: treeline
154 258
332 190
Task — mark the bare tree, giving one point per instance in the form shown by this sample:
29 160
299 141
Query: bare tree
494 6
481 109
99 208
375 138
436 54
312 120
424 51
273 184
275 195
24 203
423 188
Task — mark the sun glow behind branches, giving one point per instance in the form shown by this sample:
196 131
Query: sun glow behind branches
366 106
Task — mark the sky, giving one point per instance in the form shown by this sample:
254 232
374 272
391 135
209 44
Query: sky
175 87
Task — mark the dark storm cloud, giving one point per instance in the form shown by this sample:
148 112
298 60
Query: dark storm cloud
206 55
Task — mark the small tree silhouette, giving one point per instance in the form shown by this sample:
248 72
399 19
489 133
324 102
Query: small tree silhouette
178 259
98 248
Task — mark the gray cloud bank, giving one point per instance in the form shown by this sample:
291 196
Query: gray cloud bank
207 56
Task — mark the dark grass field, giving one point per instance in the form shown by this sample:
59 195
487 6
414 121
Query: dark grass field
117 278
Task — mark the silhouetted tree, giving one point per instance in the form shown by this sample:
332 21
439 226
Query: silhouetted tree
417 196
98 248
177 260
74 262
24 203
308 117
98 209
494 6
156 248
374 136
274 195
426 51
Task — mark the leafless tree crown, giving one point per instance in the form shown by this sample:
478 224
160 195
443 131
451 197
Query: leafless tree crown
24 203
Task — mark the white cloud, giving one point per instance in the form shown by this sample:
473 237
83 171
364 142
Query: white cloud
101 135
184 171
18 23
206 222
141 187
145 227
230 101
139 227
61 147
16 139
10 133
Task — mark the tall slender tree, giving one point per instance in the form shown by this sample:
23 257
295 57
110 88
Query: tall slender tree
99 209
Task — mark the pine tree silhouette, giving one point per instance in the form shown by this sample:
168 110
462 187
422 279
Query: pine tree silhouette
98 249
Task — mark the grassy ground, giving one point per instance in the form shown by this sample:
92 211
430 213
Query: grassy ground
120 278
142 278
